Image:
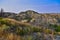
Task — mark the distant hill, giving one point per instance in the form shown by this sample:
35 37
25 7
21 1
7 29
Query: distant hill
34 18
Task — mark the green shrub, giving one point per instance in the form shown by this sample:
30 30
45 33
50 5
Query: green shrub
56 27
36 29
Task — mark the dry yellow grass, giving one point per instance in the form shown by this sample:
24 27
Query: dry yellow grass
12 21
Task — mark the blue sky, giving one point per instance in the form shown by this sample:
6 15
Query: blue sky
44 6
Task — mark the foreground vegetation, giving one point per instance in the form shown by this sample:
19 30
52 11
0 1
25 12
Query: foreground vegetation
11 29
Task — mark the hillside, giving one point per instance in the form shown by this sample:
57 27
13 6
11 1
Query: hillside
29 25
11 27
34 18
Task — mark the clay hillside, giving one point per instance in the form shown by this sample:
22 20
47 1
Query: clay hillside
29 25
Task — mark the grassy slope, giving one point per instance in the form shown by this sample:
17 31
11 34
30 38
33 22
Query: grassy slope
11 28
